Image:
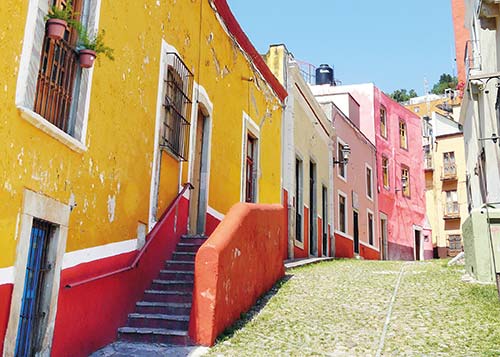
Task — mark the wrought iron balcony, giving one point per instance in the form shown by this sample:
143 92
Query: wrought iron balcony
451 210
428 163
449 173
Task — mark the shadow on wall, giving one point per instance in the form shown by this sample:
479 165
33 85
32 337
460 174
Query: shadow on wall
240 261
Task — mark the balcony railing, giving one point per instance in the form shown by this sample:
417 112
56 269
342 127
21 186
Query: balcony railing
451 210
449 172
472 57
428 164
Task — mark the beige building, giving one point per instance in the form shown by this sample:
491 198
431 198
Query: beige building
307 157
445 178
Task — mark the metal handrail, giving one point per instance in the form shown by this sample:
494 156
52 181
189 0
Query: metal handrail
135 263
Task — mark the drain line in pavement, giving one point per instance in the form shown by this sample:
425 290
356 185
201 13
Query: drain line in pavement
389 312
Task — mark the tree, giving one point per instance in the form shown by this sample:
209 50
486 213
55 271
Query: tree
445 81
402 95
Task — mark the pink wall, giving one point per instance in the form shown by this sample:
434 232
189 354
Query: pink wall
403 212
240 261
362 154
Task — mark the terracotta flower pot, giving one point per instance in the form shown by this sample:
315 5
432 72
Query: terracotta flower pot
87 58
56 28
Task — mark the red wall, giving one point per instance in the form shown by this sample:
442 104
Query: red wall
461 36
368 253
344 247
89 315
240 261
5 298
211 224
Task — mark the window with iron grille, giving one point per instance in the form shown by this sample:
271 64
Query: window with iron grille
403 138
405 177
250 169
58 70
342 214
369 183
341 166
370 228
299 201
383 122
454 244
385 171
177 107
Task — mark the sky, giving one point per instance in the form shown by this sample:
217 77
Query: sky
392 43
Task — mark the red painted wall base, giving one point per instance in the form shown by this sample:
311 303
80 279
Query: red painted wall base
5 298
344 247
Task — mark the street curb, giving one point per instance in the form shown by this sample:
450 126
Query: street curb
291 264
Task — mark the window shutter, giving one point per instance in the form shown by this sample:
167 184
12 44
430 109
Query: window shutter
34 62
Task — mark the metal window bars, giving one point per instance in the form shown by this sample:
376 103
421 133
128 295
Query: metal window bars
56 77
177 106
28 336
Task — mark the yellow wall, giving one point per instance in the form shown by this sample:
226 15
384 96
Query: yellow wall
426 108
436 188
121 124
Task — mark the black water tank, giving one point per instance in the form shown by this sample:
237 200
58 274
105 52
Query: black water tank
324 75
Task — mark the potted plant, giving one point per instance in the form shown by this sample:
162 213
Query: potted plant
57 20
91 45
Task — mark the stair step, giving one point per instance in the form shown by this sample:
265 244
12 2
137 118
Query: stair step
179 265
179 285
167 308
176 322
188 247
167 296
194 239
184 256
153 335
176 275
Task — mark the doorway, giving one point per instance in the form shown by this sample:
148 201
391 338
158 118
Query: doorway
383 237
355 220
313 240
325 221
198 199
418 247
37 288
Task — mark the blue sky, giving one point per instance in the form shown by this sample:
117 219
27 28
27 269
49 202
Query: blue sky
393 43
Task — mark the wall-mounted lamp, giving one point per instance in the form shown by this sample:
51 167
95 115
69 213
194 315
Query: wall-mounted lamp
494 138
346 152
404 184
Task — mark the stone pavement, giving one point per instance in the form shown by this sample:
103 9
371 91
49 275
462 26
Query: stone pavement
127 349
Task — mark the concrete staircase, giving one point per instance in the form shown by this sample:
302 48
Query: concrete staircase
163 314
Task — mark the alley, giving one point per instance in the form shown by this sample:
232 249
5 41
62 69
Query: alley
340 308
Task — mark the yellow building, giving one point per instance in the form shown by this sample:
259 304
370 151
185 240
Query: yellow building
425 105
445 175
91 158
307 157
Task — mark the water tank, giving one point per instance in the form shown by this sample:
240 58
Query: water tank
324 75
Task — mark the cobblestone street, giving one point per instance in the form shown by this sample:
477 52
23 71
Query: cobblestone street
362 308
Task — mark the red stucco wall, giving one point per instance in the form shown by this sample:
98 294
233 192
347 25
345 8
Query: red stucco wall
89 315
368 253
461 36
344 247
240 261
5 298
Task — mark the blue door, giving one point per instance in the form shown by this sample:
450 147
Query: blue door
36 268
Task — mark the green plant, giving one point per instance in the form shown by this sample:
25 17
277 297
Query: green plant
67 13
93 41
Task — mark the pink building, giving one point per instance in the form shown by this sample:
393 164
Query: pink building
396 133
355 200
